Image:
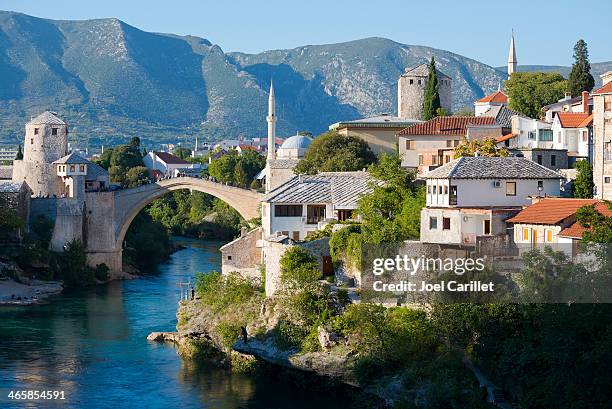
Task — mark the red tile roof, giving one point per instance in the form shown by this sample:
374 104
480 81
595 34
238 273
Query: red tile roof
588 121
572 119
497 97
170 159
576 230
550 210
447 125
505 137
606 89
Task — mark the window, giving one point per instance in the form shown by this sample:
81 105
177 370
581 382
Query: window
35 131
553 160
525 234
510 188
229 257
410 145
421 159
449 143
539 159
296 236
285 233
411 82
546 135
540 185
419 82
531 135
287 210
433 223
54 131
345 215
315 214
559 137
549 236
445 190
585 136
429 189
452 199
81 168
447 159
32 141
486 227
440 189
434 159
606 179
72 168
446 223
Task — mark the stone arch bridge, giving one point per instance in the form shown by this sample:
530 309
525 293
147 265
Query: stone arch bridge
108 215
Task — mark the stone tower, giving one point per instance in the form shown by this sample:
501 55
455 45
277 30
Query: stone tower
411 88
46 140
512 63
271 118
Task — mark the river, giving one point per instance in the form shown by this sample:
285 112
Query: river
92 345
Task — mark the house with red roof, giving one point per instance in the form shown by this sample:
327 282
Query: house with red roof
166 164
602 148
498 98
552 221
572 131
430 144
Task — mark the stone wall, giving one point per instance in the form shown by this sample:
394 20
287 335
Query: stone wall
410 96
243 255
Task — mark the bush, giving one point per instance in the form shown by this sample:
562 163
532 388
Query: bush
298 267
101 272
229 332
221 292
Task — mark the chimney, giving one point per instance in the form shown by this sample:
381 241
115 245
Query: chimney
585 102
606 77
438 125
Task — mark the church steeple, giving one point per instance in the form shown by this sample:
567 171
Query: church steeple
512 57
271 118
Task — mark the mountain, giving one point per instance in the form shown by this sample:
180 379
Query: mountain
597 69
112 81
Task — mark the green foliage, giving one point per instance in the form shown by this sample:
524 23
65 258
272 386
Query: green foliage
146 242
101 272
182 152
135 142
298 267
580 78
583 185
9 218
19 155
70 266
237 169
222 292
599 226
105 158
331 152
528 92
229 331
136 176
486 147
42 226
121 162
431 101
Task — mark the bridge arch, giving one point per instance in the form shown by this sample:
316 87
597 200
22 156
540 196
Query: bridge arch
129 202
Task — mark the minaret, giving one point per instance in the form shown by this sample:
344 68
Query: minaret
195 149
271 118
512 57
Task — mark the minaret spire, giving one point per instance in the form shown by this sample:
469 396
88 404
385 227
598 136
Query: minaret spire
512 57
271 118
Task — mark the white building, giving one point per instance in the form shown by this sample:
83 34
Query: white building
602 128
552 222
572 131
7 154
166 163
306 203
472 196
583 103
496 99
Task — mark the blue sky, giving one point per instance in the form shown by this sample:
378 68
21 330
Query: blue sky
545 30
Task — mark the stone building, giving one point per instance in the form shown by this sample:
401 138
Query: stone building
602 128
46 141
411 88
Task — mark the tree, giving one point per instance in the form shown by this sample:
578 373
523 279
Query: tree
528 92
298 267
135 142
136 176
235 168
486 147
583 186
431 102
105 158
599 226
580 78
332 152
19 155
182 152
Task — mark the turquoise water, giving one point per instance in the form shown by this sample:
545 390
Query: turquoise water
92 345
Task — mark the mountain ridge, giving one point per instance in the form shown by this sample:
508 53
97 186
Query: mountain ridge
112 81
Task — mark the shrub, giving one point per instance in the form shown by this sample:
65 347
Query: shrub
101 272
298 267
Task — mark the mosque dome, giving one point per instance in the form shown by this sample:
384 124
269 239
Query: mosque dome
297 142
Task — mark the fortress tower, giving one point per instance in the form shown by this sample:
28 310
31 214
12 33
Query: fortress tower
46 141
411 92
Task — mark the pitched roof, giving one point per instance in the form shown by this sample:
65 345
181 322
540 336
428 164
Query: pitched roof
498 97
606 89
588 121
483 167
572 119
170 159
379 121
576 230
505 137
342 189
502 114
550 210
447 125
72 158
422 71
6 171
94 171
47 118
283 163
10 187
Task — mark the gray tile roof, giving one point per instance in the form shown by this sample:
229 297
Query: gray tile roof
482 167
6 172
502 114
342 189
422 71
283 163
95 171
47 118
72 159
10 187
379 121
